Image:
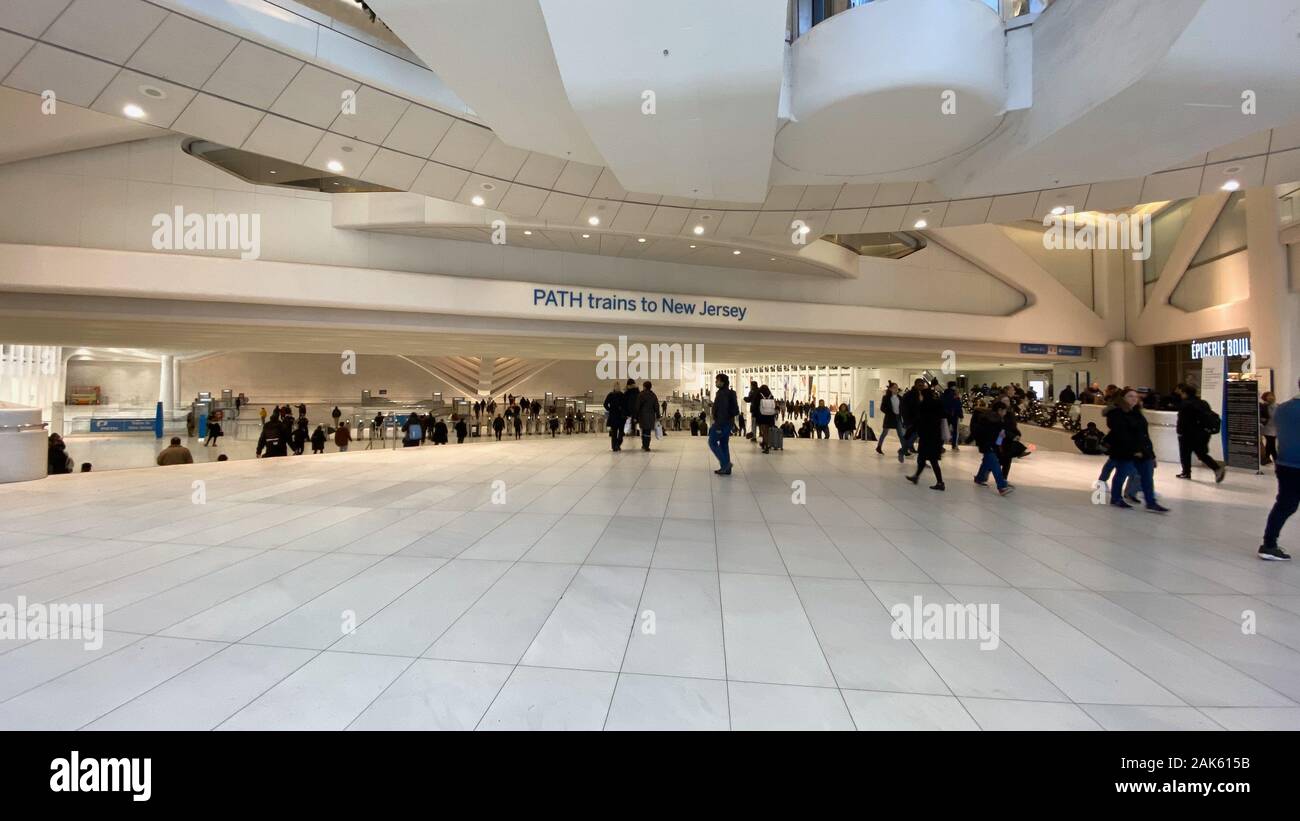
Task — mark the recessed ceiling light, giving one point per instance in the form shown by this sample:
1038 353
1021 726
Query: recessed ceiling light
736 253
273 171
773 259
133 111
593 221
699 229
586 236
920 224
640 239
803 229
152 91
347 149
335 166
487 186
477 200
528 233
1058 210
1230 185
692 246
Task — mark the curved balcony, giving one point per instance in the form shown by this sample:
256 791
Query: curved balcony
893 86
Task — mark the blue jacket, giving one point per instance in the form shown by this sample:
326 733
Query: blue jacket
1287 419
821 416
952 405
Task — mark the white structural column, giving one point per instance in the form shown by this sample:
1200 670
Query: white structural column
1126 364
1274 307
167 383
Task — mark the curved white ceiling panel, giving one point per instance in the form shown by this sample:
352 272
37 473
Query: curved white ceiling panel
1123 89
680 96
497 56
891 87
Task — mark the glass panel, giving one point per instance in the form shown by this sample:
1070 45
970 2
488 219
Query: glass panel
1166 227
1228 236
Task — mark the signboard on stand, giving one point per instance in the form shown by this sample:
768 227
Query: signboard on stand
1241 423
1213 372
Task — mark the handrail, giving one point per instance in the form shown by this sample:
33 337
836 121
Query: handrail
806 14
26 426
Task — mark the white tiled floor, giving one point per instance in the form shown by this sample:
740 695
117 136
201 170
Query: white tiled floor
391 590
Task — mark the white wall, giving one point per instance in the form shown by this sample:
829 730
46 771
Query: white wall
313 378
121 383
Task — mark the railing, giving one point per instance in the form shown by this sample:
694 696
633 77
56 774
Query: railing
805 14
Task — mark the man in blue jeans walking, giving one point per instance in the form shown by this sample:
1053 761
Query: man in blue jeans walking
725 410
1287 419
989 431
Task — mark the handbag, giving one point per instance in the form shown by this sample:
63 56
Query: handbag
659 431
627 426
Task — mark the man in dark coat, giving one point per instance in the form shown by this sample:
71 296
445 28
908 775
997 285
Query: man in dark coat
615 406
647 413
629 403
725 410
1193 434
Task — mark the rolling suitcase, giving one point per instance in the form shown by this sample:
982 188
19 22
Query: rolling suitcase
776 439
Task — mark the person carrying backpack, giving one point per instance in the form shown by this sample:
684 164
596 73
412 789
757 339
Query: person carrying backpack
1196 424
413 430
766 417
272 442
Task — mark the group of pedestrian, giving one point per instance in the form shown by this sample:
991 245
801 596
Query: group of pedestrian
632 411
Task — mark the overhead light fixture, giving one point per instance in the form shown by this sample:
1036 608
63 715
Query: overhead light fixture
1058 210
699 229
335 166
692 246
640 239
273 171
133 111
528 233
920 224
586 236
1230 185
735 253
593 221
476 199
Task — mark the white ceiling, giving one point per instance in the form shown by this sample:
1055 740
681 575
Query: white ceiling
25 132
217 85
713 70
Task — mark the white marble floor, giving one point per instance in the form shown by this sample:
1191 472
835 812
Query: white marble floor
554 585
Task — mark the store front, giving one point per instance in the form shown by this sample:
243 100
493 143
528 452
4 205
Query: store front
1181 361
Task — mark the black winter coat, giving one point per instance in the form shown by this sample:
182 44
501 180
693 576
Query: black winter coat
1128 435
928 420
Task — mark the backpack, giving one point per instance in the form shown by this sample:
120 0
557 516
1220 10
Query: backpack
415 433
1210 421
767 406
